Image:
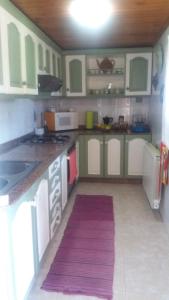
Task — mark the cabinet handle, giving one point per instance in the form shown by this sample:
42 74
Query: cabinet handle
127 88
23 82
67 89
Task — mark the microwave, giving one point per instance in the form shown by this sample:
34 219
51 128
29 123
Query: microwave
57 121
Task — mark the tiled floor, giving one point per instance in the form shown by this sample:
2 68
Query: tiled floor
141 244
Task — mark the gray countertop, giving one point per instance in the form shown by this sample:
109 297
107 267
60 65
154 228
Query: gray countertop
46 154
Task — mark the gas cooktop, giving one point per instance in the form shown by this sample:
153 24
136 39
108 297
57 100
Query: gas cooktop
51 138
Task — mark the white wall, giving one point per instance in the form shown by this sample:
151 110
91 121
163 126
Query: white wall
17 117
157 119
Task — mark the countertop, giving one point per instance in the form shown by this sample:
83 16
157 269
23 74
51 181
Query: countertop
45 153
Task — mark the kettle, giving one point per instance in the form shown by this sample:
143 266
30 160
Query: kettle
106 64
107 120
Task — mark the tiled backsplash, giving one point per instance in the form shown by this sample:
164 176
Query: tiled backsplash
20 116
105 107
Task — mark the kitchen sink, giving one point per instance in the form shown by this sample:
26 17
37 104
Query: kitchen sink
13 167
12 172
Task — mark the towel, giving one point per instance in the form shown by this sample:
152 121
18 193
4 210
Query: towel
72 166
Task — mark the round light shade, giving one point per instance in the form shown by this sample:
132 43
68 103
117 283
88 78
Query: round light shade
91 13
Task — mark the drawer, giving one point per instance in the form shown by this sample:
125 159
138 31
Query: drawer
53 182
56 219
54 196
54 167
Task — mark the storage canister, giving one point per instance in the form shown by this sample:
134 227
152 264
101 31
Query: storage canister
89 119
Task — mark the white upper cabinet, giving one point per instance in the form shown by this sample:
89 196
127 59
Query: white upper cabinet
75 75
138 74
23 55
18 54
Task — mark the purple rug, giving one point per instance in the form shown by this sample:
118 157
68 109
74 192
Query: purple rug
84 262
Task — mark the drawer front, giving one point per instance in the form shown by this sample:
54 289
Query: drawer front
54 167
56 218
55 195
53 182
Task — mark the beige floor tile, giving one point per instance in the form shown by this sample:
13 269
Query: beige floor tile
141 246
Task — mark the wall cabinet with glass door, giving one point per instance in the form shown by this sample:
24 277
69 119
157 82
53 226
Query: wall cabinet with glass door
138 73
75 75
105 75
134 148
18 56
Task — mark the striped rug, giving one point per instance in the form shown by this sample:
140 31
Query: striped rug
84 262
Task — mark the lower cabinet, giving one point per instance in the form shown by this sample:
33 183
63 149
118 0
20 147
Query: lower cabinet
101 155
94 155
113 155
42 217
134 147
22 249
104 155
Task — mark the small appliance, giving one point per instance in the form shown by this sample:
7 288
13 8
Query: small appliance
57 121
48 83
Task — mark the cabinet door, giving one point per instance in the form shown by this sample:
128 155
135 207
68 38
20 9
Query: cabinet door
30 64
138 73
54 64
22 247
113 156
94 155
47 60
134 147
40 57
75 75
42 212
11 53
14 46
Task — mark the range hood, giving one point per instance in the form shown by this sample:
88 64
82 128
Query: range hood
48 83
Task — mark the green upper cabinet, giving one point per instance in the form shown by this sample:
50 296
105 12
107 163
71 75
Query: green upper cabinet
75 75
138 73
40 58
14 52
48 62
30 63
59 64
54 70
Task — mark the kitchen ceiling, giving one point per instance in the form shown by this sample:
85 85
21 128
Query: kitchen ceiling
134 23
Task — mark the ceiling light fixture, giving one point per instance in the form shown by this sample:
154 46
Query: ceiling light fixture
91 13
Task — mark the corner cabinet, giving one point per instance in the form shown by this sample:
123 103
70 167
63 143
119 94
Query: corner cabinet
134 148
75 75
138 74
